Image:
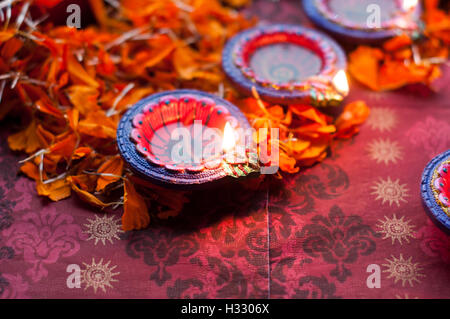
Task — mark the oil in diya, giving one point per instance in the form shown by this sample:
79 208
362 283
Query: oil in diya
287 64
365 21
186 139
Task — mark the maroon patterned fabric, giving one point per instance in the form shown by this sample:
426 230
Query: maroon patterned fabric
311 235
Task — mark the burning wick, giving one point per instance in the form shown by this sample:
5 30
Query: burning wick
229 138
340 82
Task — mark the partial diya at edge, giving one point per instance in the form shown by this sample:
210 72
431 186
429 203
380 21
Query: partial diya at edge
435 190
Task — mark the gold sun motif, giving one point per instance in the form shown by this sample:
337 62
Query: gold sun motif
103 229
390 191
396 229
382 119
98 275
403 270
385 151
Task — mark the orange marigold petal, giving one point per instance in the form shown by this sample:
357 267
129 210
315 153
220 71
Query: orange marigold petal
353 115
78 73
397 42
45 106
135 214
97 124
26 140
299 146
364 65
46 138
6 35
83 98
64 147
56 190
395 74
81 152
309 112
10 47
315 151
113 166
84 195
287 163
31 170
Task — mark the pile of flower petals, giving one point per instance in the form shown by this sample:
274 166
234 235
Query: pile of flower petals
403 60
305 134
70 87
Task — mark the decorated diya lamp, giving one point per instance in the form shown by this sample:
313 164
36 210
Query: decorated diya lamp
364 21
435 190
185 139
287 64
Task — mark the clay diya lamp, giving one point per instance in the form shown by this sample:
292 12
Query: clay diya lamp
287 64
185 139
364 21
435 190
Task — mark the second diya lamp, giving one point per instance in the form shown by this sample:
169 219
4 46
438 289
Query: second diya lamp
364 21
186 139
287 64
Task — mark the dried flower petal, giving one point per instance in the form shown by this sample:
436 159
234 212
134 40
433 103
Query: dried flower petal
85 195
84 98
111 167
287 164
56 190
78 73
135 215
76 83
404 61
364 65
26 140
31 170
354 114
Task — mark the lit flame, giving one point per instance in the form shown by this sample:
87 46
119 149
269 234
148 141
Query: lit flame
229 138
340 82
409 4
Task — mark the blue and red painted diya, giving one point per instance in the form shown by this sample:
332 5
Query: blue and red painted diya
436 190
351 20
145 140
287 64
